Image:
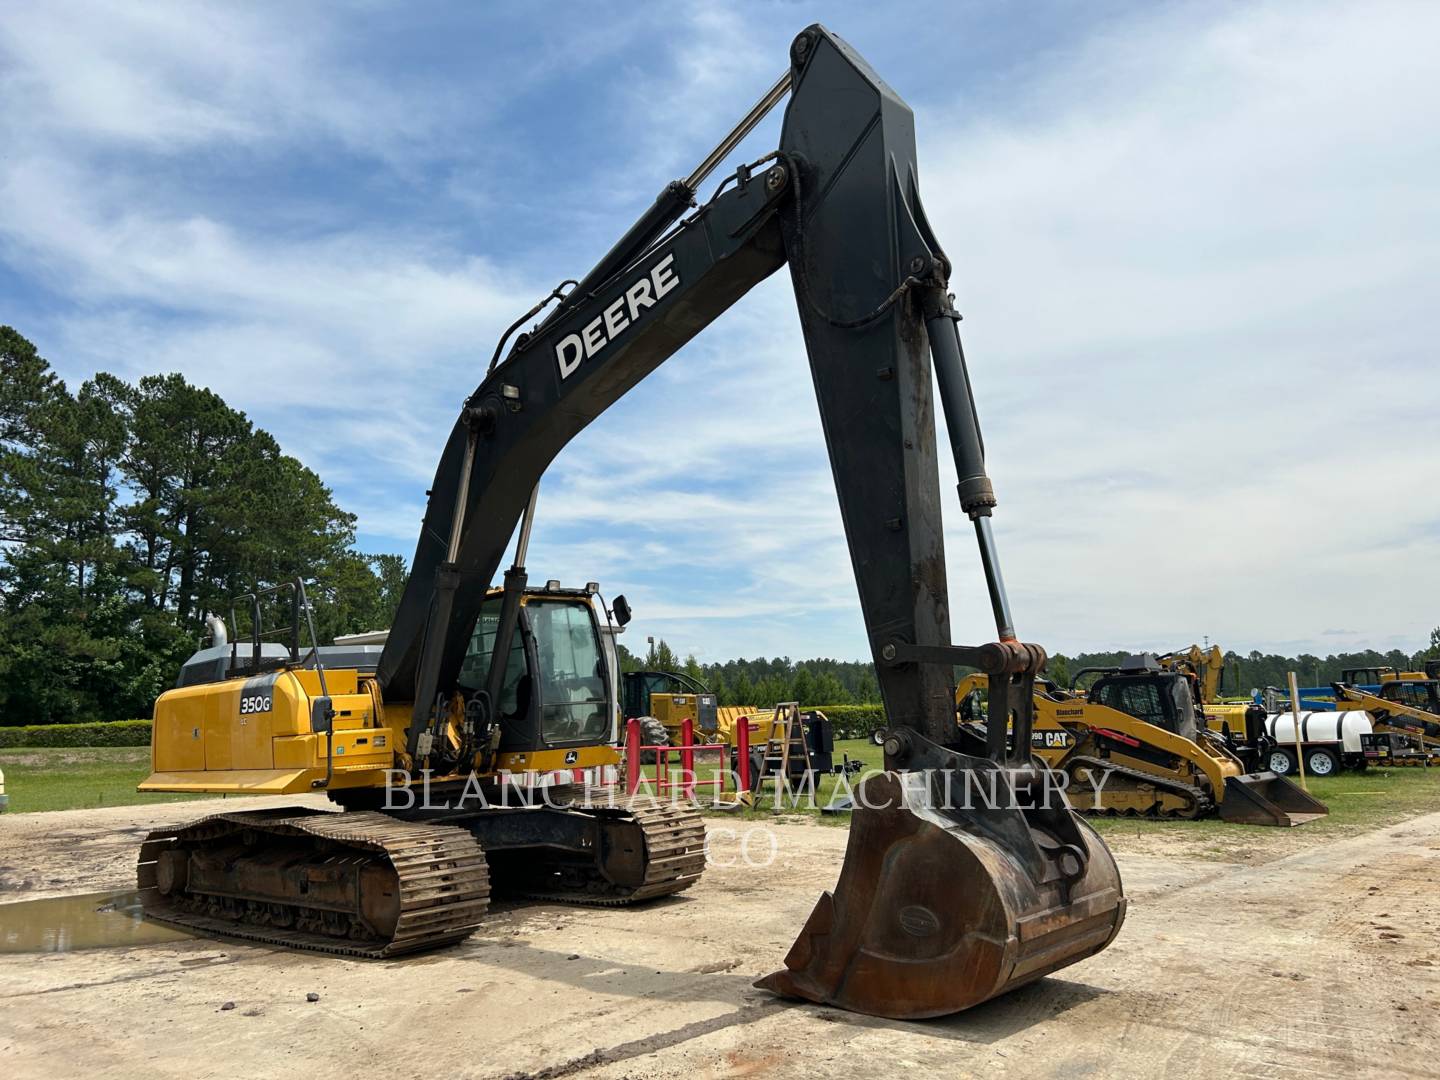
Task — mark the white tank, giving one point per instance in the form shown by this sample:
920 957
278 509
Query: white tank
1319 726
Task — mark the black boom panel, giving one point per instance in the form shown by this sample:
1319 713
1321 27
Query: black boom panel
852 239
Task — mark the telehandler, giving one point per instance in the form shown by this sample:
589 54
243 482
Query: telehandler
942 902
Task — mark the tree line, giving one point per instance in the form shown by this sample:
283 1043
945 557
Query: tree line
762 682
1246 672
128 511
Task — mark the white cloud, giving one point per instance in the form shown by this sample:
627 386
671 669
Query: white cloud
1195 251
169 76
1199 255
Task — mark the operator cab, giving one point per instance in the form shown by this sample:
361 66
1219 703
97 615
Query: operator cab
559 685
637 689
1140 688
1367 676
1417 693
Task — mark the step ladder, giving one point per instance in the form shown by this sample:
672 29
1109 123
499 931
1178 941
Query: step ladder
786 751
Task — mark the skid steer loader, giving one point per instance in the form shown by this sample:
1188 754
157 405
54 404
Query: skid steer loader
1136 745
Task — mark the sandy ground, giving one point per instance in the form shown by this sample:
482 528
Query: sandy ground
1325 960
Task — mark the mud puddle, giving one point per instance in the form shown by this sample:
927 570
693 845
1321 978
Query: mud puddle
102 920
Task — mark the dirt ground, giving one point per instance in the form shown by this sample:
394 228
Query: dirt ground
1322 960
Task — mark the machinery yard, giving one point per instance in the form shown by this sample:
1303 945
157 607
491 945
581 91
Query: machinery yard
290 797
1323 959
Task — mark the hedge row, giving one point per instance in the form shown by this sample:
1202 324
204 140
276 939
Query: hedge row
849 721
111 733
854 721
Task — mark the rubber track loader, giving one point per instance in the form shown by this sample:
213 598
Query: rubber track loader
951 892
1136 745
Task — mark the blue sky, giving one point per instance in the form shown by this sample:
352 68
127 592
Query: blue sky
1196 247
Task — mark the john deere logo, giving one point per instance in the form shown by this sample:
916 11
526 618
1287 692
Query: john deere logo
572 756
918 921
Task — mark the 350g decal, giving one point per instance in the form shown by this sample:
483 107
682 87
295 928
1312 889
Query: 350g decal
254 703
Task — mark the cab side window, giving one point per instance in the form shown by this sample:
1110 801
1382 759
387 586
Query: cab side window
476 667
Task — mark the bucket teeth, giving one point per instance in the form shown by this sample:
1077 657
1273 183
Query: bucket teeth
930 917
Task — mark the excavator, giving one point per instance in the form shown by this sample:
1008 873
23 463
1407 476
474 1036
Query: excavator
1207 667
1136 745
965 874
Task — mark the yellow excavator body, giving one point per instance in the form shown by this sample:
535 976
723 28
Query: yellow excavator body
254 735
399 871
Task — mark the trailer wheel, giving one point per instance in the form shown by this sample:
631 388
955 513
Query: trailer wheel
1281 762
878 736
1321 762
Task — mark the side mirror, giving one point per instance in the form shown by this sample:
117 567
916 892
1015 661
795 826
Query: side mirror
322 715
621 610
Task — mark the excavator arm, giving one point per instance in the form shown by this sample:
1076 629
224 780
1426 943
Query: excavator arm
941 904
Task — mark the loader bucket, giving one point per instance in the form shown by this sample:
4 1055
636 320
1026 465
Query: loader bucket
1263 798
932 915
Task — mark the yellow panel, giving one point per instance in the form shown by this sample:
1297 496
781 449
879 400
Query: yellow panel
262 781
337 680
673 709
232 781
585 757
352 710
221 704
370 747
177 737
297 751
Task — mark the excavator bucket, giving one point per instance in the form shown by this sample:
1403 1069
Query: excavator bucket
1263 798
935 913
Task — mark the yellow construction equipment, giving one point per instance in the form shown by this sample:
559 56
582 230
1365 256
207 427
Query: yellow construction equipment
1404 706
760 722
671 697
479 691
290 716
1135 746
1207 668
1206 665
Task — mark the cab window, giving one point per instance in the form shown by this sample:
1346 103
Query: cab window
1138 698
1415 694
572 676
476 667
1184 702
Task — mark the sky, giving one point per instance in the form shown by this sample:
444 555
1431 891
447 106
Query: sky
1196 247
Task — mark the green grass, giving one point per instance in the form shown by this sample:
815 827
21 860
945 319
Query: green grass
1357 801
73 778
67 778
